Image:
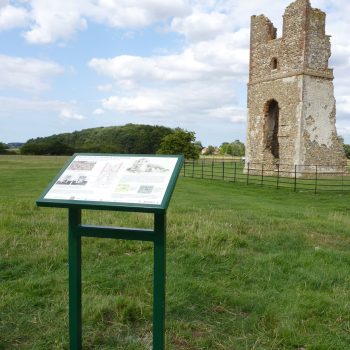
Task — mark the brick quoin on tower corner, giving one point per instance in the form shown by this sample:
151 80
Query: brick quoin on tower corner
291 104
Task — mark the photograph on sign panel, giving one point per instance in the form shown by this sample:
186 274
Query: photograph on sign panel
73 180
82 165
108 174
144 165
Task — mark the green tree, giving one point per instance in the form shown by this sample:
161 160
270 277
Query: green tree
199 146
129 138
235 148
210 150
223 148
230 149
238 148
180 142
347 150
345 146
57 147
47 146
3 148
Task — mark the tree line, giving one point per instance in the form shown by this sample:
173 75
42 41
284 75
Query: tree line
235 148
4 149
131 139
126 139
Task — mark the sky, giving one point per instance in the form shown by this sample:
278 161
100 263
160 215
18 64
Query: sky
68 65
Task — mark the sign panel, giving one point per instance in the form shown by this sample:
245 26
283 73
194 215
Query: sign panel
127 179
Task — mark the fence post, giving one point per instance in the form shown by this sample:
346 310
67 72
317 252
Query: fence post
318 174
234 177
248 174
316 180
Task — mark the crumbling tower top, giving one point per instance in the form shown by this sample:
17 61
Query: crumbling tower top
303 48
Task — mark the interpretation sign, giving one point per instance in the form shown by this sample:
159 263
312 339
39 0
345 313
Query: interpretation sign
120 183
141 179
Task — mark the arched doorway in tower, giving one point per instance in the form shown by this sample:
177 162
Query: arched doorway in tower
271 111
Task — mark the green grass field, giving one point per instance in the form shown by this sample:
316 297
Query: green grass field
248 268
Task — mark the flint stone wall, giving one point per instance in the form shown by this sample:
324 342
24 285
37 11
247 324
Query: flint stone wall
293 70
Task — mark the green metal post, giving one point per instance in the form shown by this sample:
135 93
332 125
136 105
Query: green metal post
74 258
159 281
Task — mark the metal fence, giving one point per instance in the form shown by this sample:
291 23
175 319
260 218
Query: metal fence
315 178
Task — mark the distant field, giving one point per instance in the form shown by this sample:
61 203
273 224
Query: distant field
248 268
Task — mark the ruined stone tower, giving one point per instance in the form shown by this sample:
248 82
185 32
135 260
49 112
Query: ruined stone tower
291 105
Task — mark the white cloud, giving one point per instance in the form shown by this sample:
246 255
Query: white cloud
69 114
27 74
343 107
98 111
12 17
56 20
135 13
202 26
236 115
24 118
343 130
132 104
197 83
225 56
106 87
181 102
19 105
162 68
11 104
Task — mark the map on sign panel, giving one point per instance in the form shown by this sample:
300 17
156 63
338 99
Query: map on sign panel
122 179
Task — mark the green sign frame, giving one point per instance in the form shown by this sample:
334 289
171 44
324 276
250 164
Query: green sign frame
105 205
76 231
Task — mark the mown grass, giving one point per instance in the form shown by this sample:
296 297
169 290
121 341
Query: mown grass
248 268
